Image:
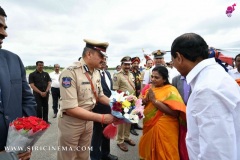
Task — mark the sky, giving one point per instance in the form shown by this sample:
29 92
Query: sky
53 30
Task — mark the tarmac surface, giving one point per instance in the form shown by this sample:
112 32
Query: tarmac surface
46 146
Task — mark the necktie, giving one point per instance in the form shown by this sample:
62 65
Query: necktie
103 74
186 89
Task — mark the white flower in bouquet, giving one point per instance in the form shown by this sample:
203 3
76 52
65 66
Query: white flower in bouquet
133 118
126 116
126 110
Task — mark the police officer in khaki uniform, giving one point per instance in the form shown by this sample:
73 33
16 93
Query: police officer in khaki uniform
80 88
124 81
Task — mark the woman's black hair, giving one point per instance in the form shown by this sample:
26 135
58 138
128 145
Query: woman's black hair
163 72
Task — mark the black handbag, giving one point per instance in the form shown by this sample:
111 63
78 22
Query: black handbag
8 156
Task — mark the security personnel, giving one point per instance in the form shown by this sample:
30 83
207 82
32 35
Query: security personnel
124 81
158 60
80 89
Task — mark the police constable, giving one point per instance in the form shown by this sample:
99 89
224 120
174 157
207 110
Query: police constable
158 60
80 89
124 81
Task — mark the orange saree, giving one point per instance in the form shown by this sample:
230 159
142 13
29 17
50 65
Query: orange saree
238 81
160 139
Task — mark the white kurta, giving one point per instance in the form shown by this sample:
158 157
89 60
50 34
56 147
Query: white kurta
213 114
147 76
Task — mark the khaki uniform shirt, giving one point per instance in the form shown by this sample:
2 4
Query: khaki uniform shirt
75 88
124 82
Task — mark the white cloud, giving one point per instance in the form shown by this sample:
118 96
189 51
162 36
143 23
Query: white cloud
53 31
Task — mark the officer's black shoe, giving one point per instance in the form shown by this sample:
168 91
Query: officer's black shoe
110 157
55 115
136 126
133 132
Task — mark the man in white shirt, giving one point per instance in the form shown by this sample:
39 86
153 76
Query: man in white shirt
149 64
55 88
172 72
235 73
213 108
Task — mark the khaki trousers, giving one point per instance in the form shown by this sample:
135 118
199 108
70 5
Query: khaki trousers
123 132
74 138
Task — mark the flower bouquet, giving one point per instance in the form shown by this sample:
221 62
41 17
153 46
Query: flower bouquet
127 108
24 133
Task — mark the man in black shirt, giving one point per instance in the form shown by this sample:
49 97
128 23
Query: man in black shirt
40 82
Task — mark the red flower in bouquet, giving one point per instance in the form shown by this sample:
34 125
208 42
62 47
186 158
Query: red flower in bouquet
24 132
29 123
127 108
117 106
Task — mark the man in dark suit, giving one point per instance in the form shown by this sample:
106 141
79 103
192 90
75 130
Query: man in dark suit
16 98
183 88
100 144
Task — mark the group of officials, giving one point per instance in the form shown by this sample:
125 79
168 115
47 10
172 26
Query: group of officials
212 109
91 92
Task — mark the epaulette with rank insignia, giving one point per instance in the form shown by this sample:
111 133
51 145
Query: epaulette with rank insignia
71 68
75 65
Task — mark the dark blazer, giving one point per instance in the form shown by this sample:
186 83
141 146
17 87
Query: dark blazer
100 108
178 83
16 96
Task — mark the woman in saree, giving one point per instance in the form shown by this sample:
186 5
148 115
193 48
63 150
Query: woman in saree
164 113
